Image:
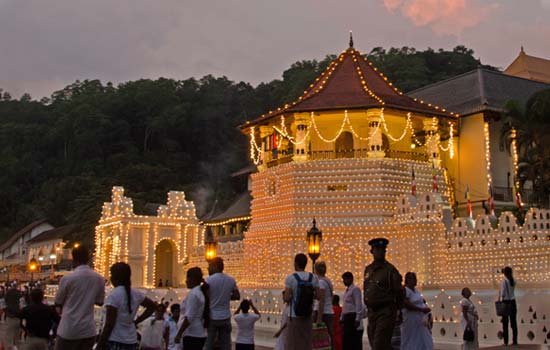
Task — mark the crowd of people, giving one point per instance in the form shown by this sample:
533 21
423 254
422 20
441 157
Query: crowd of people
398 316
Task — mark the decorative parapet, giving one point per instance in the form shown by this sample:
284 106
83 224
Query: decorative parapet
177 206
118 206
423 207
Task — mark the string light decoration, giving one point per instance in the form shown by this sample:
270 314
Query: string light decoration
320 83
123 235
346 124
487 154
515 158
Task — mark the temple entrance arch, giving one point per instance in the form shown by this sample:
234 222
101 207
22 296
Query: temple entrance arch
344 145
166 263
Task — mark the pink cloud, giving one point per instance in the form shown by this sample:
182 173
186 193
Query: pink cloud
443 16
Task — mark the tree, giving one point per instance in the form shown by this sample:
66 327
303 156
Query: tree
531 125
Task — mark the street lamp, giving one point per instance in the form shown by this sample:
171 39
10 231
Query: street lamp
314 238
33 266
210 245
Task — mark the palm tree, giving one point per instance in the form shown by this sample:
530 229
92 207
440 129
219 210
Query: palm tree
532 128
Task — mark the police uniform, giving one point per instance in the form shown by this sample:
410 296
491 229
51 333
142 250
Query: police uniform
383 296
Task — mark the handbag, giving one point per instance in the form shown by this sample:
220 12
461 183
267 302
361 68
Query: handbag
468 335
502 308
320 337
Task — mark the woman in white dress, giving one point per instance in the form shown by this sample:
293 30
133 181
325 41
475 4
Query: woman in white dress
468 319
508 295
414 331
281 333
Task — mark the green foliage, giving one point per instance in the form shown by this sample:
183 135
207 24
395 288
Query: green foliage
409 69
532 125
60 156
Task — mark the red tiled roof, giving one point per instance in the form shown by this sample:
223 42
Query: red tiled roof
352 82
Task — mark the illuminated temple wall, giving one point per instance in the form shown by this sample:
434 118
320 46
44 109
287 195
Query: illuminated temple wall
353 201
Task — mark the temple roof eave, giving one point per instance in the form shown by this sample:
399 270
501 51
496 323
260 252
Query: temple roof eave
418 113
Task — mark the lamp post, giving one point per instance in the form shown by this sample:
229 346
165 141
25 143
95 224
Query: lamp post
210 245
33 266
314 238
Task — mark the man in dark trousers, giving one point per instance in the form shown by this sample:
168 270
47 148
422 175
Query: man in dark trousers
383 294
352 314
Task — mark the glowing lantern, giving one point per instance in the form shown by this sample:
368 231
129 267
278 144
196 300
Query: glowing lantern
314 237
33 267
210 245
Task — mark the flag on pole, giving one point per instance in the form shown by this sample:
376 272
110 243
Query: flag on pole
491 201
469 201
434 177
413 184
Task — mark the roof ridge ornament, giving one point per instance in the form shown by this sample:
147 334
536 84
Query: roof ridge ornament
350 39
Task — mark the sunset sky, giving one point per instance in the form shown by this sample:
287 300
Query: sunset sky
47 44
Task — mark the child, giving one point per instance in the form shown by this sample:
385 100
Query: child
154 329
245 323
337 309
172 330
281 333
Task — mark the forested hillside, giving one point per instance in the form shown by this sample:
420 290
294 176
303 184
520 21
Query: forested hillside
60 156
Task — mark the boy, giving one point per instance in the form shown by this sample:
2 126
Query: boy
245 322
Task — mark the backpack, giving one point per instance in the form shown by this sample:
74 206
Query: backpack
303 302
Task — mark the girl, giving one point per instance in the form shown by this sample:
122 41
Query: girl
119 330
195 312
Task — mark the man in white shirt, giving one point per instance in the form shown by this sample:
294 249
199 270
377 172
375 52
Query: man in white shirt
352 314
77 294
300 287
222 289
324 309
245 322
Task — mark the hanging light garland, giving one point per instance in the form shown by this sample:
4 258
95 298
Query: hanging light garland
255 149
405 129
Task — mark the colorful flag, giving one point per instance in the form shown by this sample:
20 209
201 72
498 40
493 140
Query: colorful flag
413 184
434 177
491 200
469 201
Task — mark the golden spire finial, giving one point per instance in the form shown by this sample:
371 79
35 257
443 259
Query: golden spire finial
350 39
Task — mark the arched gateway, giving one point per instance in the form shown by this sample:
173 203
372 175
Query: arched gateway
155 247
166 263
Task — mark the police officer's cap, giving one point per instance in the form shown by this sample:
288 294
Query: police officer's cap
379 242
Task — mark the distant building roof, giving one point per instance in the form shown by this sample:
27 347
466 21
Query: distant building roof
240 208
479 90
21 233
352 82
56 233
530 67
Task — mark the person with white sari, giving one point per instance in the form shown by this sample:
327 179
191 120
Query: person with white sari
468 319
415 333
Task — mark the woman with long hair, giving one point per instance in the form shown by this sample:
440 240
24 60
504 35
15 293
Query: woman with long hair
119 330
195 312
507 293
414 333
468 320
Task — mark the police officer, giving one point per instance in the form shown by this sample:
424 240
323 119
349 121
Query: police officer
383 296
